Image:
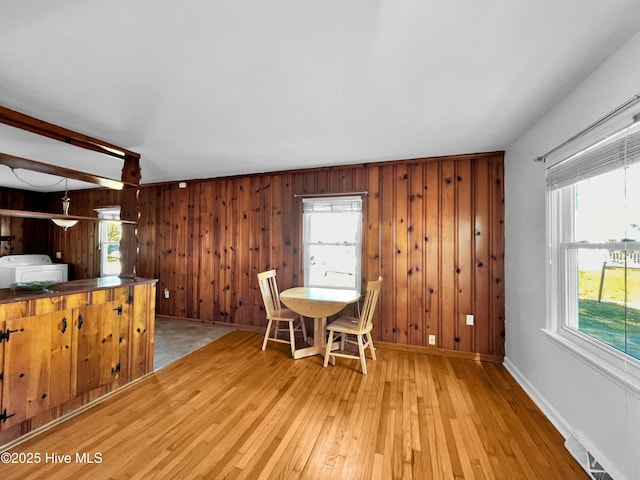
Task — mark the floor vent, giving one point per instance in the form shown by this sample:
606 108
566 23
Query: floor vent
586 460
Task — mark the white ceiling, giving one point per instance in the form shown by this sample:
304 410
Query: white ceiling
213 88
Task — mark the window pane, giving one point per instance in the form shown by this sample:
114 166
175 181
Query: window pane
111 259
632 205
113 232
332 266
609 298
600 217
632 258
113 253
633 313
608 207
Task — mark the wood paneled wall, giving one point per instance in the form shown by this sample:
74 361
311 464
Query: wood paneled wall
26 235
433 230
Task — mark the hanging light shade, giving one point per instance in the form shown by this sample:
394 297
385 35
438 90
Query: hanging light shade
66 201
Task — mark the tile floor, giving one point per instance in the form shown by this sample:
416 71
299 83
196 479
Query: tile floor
175 339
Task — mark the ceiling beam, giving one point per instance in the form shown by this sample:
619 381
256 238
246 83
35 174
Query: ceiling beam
46 129
12 162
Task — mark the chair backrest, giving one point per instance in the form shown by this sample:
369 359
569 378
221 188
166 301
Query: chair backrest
269 291
369 306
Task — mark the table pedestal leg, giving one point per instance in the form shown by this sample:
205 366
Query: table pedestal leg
318 343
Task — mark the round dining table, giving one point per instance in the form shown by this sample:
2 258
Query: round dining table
317 303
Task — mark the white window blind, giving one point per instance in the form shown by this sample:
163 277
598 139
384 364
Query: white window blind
616 151
332 204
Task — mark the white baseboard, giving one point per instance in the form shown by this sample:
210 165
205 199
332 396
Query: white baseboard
554 417
559 422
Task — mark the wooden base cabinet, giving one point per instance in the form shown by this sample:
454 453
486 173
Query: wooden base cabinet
97 344
36 374
62 351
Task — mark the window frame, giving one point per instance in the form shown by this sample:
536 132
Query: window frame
106 214
358 244
562 289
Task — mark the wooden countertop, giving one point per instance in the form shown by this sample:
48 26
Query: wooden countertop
9 295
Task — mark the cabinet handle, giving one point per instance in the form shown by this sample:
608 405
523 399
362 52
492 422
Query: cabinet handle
80 321
64 324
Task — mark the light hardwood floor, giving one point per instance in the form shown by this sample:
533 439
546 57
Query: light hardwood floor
230 410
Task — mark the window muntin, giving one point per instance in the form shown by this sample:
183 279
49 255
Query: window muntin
332 242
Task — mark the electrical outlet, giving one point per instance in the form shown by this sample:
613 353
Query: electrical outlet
166 293
469 319
432 339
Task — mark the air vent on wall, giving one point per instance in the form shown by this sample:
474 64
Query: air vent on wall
586 459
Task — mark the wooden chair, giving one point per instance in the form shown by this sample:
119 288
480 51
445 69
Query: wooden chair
276 313
345 327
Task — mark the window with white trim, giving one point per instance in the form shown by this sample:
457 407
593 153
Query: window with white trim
110 235
594 253
332 241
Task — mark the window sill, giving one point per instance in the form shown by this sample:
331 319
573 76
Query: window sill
618 367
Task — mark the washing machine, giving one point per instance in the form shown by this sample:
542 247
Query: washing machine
31 268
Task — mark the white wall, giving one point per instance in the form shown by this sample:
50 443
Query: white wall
576 397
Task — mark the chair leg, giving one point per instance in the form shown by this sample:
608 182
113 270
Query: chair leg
363 360
276 329
327 351
266 335
373 350
292 337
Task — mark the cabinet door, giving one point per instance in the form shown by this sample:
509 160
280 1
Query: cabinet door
37 365
98 351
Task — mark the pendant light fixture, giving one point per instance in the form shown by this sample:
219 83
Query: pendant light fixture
66 201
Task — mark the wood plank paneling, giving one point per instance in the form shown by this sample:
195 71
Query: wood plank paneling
285 274
447 264
194 258
464 255
296 219
254 249
433 228
371 230
246 278
227 253
206 274
416 246
432 293
387 262
482 277
167 259
496 211
180 247
401 268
